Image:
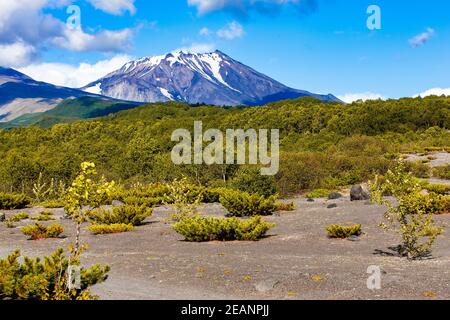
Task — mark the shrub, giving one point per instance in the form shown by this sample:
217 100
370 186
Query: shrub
19 217
11 201
442 189
343 232
110 228
126 214
142 201
280 206
38 231
36 279
412 217
442 172
250 180
53 204
42 217
198 229
242 204
318 193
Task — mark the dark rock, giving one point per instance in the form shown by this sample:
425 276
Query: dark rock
310 200
358 194
332 206
2 217
334 196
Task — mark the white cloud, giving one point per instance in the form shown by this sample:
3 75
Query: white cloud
422 38
231 31
242 7
74 76
434 92
351 97
116 7
16 54
27 29
204 32
198 48
104 41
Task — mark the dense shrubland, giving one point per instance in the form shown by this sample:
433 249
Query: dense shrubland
323 146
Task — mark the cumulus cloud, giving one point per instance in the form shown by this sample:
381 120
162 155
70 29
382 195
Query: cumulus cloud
26 29
243 7
16 54
364 96
232 31
434 92
115 7
422 38
198 48
74 76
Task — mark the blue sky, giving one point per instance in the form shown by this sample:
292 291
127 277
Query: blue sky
323 46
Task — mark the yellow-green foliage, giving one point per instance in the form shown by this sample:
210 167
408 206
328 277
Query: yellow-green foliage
38 231
51 204
412 217
318 193
36 279
242 204
11 201
42 217
110 228
200 229
343 232
285 206
438 188
442 172
126 214
19 217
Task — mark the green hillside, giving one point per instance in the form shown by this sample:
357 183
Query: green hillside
70 110
323 145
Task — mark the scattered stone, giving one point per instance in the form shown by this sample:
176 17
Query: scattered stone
332 206
334 196
117 203
2 217
358 194
266 285
310 200
353 238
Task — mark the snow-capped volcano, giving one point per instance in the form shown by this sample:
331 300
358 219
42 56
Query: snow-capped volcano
211 78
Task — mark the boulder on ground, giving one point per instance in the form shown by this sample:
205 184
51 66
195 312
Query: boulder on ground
358 194
334 196
2 217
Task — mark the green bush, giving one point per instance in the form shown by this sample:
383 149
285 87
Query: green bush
126 214
43 217
442 172
11 201
34 279
110 228
38 231
442 189
143 201
198 229
52 204
251 181
19 217
343 232
285 206
243 204
318 193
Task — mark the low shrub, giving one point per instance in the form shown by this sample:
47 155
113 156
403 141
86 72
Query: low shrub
42 217
442 172
242 204
318 193
250 180
19 217
11 201
343 232
38 231
280 206
198 229
110 228
143 201
442 189
52 204
126 214
46 279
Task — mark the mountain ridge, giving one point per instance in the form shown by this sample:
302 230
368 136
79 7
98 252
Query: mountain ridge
210 78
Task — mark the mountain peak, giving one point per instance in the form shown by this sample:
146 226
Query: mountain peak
211 78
